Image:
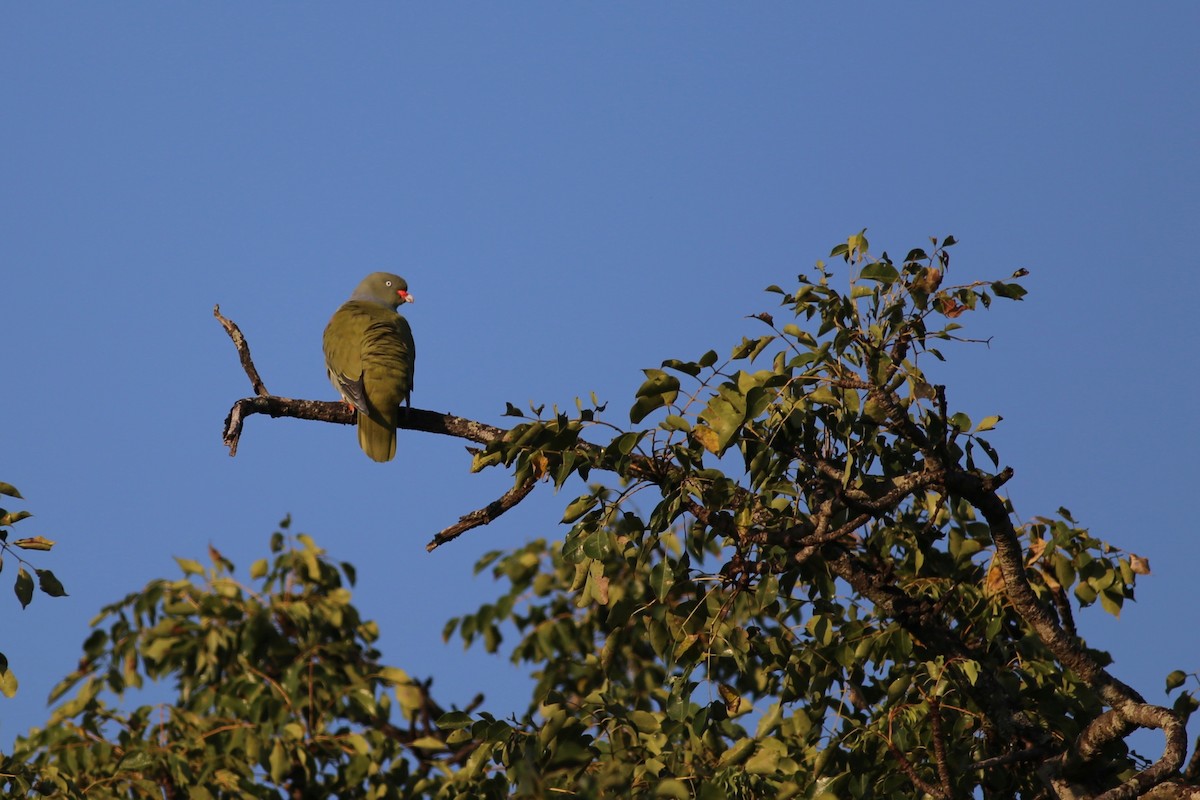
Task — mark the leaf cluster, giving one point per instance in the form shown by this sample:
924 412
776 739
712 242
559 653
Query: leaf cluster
23 586
277 685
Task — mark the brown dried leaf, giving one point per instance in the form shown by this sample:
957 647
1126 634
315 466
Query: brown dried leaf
993 584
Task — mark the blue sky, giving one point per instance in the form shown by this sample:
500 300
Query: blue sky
574 192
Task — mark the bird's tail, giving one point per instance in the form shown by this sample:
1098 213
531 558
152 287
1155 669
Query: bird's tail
376 437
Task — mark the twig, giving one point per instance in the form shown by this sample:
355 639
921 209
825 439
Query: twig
1028 754
482 516
239 341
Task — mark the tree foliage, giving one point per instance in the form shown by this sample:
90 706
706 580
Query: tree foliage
23 586
792 574
278 691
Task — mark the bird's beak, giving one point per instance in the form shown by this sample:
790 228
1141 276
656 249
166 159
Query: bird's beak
405 297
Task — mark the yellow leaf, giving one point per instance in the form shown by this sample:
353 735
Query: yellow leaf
540 465
1036 548
429 743
34 543
1051 579
735 704
8 683
707 438
988 423
993 584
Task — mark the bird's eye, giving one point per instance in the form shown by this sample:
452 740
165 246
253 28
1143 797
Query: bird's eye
387 283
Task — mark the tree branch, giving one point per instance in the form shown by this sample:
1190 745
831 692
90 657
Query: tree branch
263 402
482 516
939 748
243 349
1129 709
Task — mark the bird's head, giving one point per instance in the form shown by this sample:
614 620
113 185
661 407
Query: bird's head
383 288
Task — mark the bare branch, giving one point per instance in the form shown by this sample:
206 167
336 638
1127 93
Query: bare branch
482 516
243 349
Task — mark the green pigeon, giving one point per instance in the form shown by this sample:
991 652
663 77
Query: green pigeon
369 353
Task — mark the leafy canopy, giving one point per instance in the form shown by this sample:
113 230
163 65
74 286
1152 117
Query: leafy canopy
793 574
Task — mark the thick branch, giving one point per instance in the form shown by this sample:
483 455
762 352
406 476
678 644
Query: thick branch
1130 710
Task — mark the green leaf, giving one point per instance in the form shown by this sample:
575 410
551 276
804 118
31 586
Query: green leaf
897 688
278 762
686 367
960 421
49 584
818 625
765 760
880 271
750 348
674 422
645 721
24 587
725 413
135 761
1085 594
1111 602
738 753
579 506
12 517
658 390
662 578
258 568
672 787
992 455
1012 291
189 566
769 721
824 394
8 683
10 490
1064 570
1175 679
453 720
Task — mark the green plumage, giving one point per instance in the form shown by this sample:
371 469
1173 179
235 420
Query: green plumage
369 353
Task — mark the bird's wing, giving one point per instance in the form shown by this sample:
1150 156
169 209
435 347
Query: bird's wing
343 345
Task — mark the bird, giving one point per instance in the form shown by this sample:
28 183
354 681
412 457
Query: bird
369 355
